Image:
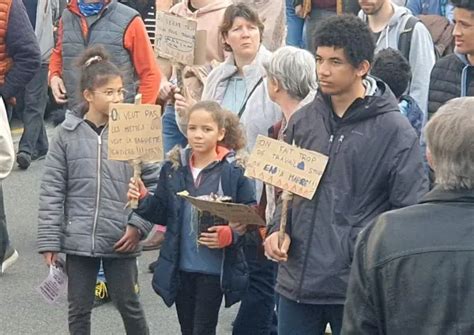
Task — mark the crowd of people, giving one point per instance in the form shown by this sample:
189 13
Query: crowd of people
383 88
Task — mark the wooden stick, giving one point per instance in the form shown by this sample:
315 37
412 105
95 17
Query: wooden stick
339 7
285 197
136 163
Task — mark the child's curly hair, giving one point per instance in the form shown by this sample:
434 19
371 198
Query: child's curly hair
234 137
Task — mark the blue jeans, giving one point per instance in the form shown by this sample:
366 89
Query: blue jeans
302 319
34 100
256 311
295 27
172 136
312 24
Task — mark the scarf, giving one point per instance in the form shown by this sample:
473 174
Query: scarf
89 9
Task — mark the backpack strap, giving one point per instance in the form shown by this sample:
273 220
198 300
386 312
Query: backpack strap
405 36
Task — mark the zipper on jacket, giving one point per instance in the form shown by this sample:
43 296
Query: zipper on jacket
331 140
339 143
99 169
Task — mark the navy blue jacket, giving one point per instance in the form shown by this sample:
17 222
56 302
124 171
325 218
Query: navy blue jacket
166 207
23 48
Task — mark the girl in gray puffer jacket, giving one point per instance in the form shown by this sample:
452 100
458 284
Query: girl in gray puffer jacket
82 200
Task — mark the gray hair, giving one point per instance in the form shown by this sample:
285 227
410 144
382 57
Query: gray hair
295 71
450 138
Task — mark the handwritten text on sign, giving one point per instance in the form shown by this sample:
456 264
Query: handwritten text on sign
175 38
227 211
135 132
287 167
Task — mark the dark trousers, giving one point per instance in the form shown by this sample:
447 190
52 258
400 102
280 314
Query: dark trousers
33 104
256 310
4 239
120 274
198 302
303 319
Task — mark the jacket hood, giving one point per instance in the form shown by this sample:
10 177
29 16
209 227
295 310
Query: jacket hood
182 156
378 100
211 7
73 118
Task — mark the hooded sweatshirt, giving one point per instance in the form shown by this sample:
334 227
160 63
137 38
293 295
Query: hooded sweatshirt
421 58
208 18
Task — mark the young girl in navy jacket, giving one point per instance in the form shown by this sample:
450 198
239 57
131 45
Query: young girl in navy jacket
193 271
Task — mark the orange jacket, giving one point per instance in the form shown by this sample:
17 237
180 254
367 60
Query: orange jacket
136 41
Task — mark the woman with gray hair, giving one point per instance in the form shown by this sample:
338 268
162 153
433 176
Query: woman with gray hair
291 81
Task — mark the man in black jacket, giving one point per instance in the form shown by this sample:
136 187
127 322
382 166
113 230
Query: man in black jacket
22 47
413 269
374 166
453 75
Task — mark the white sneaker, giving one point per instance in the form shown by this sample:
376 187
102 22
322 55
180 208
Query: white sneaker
10 258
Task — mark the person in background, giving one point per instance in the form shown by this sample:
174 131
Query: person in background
18 66
387 22
395 256
431 7
34 140
121 30
294 26
453 75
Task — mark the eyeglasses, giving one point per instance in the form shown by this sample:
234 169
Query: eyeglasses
111 93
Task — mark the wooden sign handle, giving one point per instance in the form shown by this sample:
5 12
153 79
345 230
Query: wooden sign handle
136 163
286 197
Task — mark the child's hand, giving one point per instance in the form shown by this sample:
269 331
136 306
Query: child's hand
136 189
129 240
218 237
239 228
50 257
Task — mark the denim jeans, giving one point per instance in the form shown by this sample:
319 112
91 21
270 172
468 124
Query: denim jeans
120 274
306 319
257 308
34 100
172 136
198 302
312 24
295 27
4 240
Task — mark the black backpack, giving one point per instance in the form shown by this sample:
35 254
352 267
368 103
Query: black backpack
440 30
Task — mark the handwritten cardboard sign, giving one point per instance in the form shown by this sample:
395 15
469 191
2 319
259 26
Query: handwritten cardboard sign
227 211
287 167
135 132
177 39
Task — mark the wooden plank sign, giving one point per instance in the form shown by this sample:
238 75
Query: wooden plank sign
228 211
176 39
135 133
290 168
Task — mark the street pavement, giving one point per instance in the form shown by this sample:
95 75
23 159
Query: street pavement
23 310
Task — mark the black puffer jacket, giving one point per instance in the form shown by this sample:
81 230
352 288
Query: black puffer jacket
451 77
374 166
413 270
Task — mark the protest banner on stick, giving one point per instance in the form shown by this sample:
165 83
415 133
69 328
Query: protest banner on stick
135 135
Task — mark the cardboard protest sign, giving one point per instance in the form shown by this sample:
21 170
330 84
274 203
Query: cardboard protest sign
287 167
226 210
135 132
177 39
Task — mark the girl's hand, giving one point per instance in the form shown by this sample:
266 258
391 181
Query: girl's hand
218 237
167 91
239 228
136 189
50 257
129 240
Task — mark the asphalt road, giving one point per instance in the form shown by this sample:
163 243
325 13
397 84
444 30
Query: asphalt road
23 310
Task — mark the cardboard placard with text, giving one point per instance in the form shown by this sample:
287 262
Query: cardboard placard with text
287 167
135 133
177 39
227 210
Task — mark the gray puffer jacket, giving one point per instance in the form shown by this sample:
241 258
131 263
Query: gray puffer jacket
82 198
